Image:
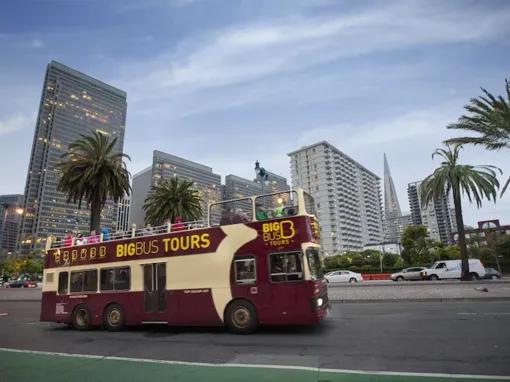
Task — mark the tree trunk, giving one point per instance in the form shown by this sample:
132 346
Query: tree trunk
465 276
95 216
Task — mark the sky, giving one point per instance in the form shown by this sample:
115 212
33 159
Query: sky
225 83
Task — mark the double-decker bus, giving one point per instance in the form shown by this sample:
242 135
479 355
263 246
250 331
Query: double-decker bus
255 261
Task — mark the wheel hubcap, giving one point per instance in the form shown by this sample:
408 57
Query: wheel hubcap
82 317
114 317
241 317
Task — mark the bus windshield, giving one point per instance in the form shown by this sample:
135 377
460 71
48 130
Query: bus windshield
314 262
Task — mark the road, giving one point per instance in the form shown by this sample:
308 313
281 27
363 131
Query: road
425 337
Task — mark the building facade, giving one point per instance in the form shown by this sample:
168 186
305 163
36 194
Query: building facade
72 104
123 214
488 232
11 210
166 166
438 216
392 212
347 197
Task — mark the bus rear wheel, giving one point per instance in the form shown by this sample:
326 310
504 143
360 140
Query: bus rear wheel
241 317
81 318
114 318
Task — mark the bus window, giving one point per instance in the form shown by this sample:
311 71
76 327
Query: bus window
231 212
276 205
84 281
314 263
285 266
63 282
115 278
245 270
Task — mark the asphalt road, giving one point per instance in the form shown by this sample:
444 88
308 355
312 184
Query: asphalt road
428 337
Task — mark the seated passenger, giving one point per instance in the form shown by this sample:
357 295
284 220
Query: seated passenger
106 234
260 213
68 240
178 226
239 217
278 211
80 239
93 239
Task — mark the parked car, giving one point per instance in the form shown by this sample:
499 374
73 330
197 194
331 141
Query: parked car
492 274
413 273
343 277
451 269
23 281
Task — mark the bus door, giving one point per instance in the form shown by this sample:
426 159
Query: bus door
286 273
154 292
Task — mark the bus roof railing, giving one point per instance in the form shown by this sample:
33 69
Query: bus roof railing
129 234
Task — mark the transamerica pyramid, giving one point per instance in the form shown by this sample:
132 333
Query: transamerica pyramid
392 212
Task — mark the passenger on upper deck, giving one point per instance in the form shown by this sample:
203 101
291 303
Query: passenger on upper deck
68 240
178 226
93 239
260 213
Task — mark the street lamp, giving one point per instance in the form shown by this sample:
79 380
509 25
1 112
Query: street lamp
261 174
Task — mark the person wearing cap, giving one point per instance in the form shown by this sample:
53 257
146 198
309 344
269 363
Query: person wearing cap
260 213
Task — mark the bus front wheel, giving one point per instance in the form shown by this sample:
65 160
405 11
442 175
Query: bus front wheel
81 318
114 318
241 317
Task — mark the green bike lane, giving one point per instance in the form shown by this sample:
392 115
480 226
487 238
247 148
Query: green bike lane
20 365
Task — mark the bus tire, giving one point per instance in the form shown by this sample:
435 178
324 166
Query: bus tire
114 318
81 318
241 317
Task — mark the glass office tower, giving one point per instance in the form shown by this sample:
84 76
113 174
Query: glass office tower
72 104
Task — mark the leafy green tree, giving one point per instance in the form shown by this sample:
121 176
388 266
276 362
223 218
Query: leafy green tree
476 182
489 117
415 245
390 260
93 171
357 259
343 262
171 198
502 247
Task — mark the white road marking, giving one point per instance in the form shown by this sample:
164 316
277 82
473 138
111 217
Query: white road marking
244 365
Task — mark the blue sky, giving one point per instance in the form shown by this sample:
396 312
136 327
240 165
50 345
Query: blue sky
227 82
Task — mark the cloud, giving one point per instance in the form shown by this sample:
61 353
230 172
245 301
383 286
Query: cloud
249 52
15 123
36 43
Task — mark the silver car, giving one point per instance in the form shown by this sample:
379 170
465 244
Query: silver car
413 273
343 277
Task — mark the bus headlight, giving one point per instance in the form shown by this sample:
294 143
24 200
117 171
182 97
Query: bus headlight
320 301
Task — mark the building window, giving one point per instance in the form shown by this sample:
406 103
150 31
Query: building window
285 266
115 278
245 272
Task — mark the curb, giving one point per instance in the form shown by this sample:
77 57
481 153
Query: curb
397 300
426 283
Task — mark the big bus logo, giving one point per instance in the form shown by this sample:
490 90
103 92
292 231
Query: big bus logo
278 233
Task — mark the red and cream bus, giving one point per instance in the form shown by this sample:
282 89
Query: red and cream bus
255 262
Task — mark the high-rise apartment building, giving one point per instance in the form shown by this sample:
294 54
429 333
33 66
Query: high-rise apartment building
72 104
165 166
11 210
123 213
392 212
347 196
237 187
438 216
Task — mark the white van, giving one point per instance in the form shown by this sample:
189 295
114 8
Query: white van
451 269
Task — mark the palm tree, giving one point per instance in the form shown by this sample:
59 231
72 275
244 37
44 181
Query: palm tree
477 182
490 118
93 171
170 198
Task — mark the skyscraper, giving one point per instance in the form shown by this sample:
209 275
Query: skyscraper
438 216
123 213
72 104
165 166
347 196
11 209
392 212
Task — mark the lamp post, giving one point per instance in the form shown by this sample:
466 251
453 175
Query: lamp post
261 174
